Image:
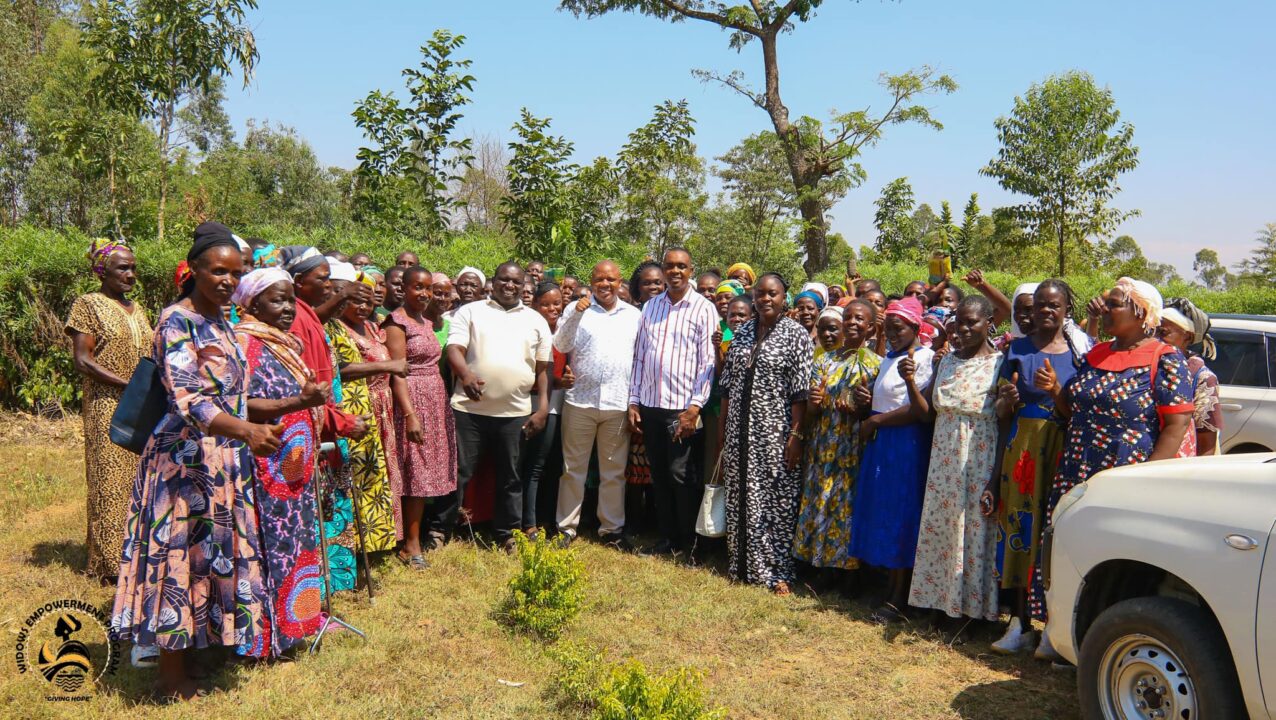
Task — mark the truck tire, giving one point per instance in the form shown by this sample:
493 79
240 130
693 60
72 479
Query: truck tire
1155 654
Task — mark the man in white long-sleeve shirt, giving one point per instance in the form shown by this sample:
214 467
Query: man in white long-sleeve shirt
598 332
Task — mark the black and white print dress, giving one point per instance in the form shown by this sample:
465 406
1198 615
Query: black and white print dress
761 386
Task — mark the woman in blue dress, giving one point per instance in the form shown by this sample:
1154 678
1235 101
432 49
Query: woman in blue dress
1129 402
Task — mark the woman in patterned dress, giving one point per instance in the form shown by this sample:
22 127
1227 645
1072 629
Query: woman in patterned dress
765 379
282 392
954 568
109 333
823 536
1017 495
366 368
1130 402
425 433
191 574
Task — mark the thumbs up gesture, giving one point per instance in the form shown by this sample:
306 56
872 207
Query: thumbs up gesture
818 393
1045 379
863 395
568 379
908 366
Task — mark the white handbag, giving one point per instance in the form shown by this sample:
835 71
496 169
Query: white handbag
711 521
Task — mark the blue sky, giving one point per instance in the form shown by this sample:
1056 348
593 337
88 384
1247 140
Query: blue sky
1196 81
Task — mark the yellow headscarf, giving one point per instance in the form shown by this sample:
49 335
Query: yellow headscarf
745 267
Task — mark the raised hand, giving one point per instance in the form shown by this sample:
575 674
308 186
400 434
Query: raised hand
974 278
1008 394
582 304
818 394
1045 379
1095 307
863 395
908 366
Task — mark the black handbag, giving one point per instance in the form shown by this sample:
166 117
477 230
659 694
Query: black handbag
141 407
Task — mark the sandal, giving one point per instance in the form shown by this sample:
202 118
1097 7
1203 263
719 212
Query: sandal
781 589
416 562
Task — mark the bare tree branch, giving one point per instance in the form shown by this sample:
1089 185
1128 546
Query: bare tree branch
716 19
735 81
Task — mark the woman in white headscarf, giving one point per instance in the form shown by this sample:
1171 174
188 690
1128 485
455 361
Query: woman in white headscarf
1131 401
1184 325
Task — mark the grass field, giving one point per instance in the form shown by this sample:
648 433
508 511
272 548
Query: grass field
434 649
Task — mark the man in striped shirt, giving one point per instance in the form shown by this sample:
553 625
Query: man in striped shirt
672 375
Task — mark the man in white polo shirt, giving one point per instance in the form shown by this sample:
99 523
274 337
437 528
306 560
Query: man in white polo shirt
500 352
598 332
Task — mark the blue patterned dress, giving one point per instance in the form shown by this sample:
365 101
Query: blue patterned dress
191 574
1117 404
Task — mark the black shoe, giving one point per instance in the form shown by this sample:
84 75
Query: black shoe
509 547
664 547
564 540
616 541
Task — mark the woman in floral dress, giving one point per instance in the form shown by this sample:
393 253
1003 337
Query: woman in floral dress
954 568
109 333
425 433
765 380
191 574
365 368
282 392
823 536
1130 402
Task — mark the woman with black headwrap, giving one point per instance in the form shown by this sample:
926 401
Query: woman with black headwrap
191 573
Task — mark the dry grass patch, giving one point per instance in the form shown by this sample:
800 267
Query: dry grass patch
435 649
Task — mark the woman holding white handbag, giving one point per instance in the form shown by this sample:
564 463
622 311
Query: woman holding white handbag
765 381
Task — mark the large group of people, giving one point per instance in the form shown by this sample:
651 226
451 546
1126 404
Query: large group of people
316 400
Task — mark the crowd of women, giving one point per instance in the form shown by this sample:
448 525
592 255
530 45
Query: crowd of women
852 429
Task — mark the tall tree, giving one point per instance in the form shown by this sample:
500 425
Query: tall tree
1261 263
1209 270
661 178
967 236
406 175
816 153
1064 146
156 53
896 233
23 27
483 185
537 209
755 176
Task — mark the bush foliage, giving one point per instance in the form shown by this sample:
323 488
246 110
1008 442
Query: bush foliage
548 591
588 684
43 271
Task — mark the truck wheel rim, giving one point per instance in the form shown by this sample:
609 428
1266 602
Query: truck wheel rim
1139 677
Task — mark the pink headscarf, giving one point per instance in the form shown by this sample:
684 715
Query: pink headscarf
910 309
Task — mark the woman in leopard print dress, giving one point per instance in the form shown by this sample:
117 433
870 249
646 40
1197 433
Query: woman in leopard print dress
109 333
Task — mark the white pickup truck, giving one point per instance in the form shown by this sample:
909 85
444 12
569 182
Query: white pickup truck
1161 588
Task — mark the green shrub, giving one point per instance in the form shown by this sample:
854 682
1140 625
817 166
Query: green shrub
548 592
585 683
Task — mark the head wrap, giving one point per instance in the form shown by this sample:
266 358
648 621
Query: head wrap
910 309
208 236
1144 296
182 274
101 250
753 277
832 311
926 333
372 270
266 256
1198 323
1024 289
341 270
475 271
941 314
243 246
729 287
845 301
365 278
439 277
299 259
814 296
252 284
819 289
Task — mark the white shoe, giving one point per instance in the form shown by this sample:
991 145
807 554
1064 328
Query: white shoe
1046 651
1016 639
144 656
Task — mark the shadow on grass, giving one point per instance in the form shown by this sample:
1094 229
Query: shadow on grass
978 702
62 553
